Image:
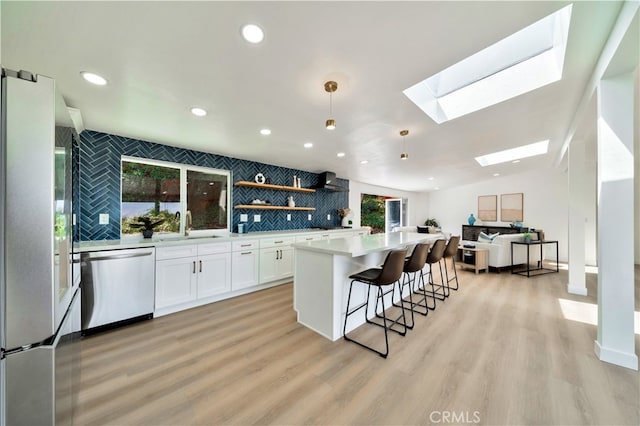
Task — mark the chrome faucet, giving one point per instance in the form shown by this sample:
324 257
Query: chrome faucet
188 223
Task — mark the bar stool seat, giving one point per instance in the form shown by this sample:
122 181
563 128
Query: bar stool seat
389 274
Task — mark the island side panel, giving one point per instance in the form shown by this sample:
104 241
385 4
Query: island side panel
313 291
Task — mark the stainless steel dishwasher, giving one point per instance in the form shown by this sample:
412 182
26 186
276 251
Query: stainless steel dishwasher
117 286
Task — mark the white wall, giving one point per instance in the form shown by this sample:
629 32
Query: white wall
545 203
417 202
636 153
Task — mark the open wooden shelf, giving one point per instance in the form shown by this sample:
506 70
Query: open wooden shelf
268 207
270 186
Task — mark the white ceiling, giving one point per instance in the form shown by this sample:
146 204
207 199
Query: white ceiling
161 58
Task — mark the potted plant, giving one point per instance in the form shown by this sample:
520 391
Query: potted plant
432 222
527 237
147 225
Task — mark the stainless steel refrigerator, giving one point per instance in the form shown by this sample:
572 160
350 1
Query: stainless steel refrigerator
39 301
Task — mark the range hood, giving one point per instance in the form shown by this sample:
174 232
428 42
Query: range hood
328 181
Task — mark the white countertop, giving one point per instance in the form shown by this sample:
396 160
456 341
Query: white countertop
365 244
160 240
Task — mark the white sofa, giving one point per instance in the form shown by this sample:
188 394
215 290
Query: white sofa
500 250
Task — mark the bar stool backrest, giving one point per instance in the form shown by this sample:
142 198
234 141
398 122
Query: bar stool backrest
418 258
392 267
452 246
437 251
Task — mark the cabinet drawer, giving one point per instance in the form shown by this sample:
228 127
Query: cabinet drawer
276 242
175 252
308 237
244 245
214 248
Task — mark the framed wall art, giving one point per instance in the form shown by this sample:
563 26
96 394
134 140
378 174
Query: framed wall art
511 207
488 208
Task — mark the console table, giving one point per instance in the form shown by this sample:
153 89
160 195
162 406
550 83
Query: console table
540 269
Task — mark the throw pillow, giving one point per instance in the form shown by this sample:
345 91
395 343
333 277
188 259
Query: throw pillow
433 230
487 238
423 230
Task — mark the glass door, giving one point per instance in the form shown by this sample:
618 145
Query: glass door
393 214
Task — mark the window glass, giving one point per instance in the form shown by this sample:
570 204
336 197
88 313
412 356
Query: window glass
150 191
207 199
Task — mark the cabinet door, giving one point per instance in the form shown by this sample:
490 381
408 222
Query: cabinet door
175 281
214 274
244 269
285 263
269 260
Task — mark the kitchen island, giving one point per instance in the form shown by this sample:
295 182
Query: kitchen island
321 277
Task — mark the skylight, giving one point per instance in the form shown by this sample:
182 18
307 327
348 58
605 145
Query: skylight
526 60
518 153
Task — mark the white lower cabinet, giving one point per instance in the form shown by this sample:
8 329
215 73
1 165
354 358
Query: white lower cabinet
276 263
276 259
176 281
245 261
187 273
214 274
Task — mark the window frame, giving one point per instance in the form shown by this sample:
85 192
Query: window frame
183 168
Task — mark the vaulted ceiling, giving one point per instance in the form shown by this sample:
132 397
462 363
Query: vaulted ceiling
162 58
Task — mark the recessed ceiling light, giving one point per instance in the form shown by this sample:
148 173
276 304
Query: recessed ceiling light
308 145
341 154
364 162
517 153
496 174
94 78
515 161
265 132
431 178
198 111
252 33
436 188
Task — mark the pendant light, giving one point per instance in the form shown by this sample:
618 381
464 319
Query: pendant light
330 87
404 155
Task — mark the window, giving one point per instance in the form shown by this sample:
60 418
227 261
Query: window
207 200
169 193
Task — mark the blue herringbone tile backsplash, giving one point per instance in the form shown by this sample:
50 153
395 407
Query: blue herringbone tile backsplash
98 186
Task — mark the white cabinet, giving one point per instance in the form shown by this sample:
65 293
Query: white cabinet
175 281
276 259
214 274
187 273
245 261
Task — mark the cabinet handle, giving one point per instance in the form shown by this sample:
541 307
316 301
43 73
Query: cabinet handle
245 245
200 265
278 242
279 254
194 266
245 252
309 239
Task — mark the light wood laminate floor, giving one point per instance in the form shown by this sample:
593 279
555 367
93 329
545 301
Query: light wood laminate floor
499 351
